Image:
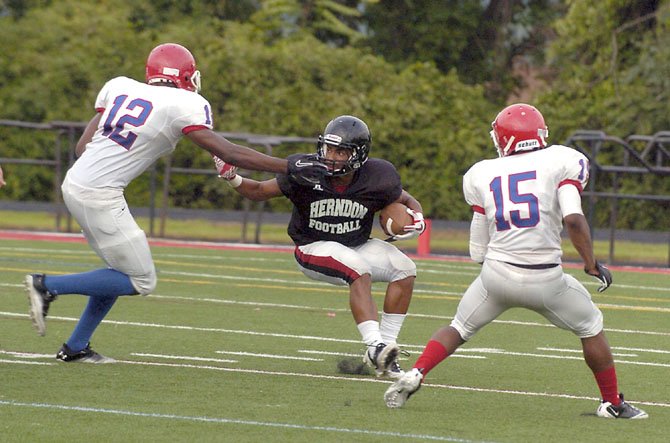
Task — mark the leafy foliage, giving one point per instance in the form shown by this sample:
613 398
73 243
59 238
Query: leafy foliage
611 60
428 77
292 87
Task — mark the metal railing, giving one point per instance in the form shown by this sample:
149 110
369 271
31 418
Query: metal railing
638 154
650 157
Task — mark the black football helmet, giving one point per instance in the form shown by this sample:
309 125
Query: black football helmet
345 131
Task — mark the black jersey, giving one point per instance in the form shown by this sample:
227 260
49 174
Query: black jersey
322 213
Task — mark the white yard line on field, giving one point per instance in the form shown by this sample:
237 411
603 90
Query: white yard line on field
579 351
343 354
301 337
375 380
275 356
234 421
184 357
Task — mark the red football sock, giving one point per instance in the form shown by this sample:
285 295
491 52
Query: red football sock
432 355
607 383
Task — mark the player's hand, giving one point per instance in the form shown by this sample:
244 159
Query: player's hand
603 275
414 229
226 170
306 169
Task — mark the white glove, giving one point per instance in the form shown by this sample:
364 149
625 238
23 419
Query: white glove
412 230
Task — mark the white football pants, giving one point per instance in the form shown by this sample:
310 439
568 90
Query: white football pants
337 264
112 232
557 296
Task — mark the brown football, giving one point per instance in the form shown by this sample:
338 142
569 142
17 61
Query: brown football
393 218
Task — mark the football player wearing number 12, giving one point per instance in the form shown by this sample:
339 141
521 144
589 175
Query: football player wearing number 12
135 124
331 224
520 202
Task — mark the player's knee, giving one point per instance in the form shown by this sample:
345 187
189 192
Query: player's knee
145 284
403 267
465 332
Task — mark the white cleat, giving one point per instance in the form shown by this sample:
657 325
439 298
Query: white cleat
39 299
403 388
382 357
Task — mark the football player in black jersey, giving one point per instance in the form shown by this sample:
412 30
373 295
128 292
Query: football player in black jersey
331 224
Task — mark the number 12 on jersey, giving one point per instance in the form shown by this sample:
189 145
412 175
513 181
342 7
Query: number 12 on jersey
505 215
113 131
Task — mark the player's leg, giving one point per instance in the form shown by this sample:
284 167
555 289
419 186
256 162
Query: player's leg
337 264
77 348
480 305
568 305
117 239
388 264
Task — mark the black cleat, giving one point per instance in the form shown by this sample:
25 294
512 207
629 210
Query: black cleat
623 410
86 355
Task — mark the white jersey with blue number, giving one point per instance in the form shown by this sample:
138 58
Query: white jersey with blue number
140 123
518 195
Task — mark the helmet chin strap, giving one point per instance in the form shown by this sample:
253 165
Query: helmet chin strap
195 81
508 146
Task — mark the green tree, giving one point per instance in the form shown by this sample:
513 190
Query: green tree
333 21
611 61
484 41
291 87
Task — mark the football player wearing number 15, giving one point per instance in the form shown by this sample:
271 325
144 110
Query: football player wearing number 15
520 201
134 125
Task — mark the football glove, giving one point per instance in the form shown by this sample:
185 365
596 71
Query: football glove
306 169
412 230
226 170
604 276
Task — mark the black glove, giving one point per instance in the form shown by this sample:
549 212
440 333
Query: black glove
604 276
306 169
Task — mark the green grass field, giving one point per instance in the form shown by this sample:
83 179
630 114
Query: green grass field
449 241
237 345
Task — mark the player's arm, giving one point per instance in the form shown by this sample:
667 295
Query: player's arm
2 178
479 228
258 191
235 154
304 168
87 136
251 189
408 200
479 237
580 234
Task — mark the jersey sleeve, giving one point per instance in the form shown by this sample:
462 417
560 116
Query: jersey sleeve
575 169
390 182
472 197
286 184
195 114
103 96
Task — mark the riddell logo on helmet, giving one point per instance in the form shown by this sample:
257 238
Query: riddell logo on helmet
332 138
528 144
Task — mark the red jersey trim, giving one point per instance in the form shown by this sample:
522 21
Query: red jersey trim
575 183
326 265
478 209
99 109
192 128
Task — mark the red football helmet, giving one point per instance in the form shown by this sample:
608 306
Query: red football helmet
173 63
517 128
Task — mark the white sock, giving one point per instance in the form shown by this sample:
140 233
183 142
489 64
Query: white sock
390 326
370 332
